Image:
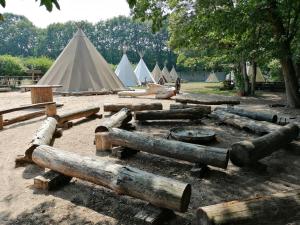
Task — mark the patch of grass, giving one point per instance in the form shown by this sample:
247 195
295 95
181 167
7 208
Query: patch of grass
206 88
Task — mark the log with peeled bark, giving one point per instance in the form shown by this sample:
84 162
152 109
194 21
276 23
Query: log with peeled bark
24 117
151 90
248 152
117 120
256 115
281 206
244 123
26 107
108 107
186 106
166 94
175 114
76 114
207 155
43 136
159 191
206 102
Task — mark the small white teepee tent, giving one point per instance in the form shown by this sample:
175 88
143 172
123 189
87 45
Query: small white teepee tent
173 74
80 67
125 72
166 74
142 72
212 78
156 73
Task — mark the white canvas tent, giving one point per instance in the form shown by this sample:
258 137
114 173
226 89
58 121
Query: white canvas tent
125 72
142 72
212 77
259 75
173 74
166 74
156 73
80 67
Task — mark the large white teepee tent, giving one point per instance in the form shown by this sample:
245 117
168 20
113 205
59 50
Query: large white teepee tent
173 74
156 73
259 75
125 72
80 67
142 72
166 74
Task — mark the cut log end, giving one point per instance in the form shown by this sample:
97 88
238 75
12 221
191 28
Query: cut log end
186 196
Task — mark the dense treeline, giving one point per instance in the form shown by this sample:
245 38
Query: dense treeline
19 37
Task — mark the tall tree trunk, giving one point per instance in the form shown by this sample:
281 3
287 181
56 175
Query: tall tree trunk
290 78
253 79
245 77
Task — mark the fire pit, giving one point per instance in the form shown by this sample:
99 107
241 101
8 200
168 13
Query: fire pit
192 134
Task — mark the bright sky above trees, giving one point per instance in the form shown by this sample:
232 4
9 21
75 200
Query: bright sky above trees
90 10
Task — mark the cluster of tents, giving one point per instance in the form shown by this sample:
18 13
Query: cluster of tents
80 67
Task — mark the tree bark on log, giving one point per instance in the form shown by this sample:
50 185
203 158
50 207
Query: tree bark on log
207 155
207 102
186 106
175 114
117 120
76 114
25 117
133 107
259 210
261 116
244 123
245 153
43 136
159 191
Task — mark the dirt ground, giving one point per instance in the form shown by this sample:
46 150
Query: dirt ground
84 203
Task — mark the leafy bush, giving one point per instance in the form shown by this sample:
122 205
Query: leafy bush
11 66
275 72
38 63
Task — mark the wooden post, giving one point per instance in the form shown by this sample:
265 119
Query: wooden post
102 141
133 107
51 110
159 191
41 94
217 157
260 210
248 152
1 121
189 113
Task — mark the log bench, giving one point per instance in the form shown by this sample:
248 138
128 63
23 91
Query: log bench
50 110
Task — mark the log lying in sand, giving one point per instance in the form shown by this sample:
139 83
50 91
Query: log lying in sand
244 123
250 151
76 114
256 115
166 94
186 106
259 210
207 155
133 107
189 113
24 117
207 102
43 136
159 191
117 120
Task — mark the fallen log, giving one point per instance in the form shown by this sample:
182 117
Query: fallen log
25 107
133 107
159 191
207 155
256 115
175 114
260 210
43 136
247 152
186 106
244 123
117 120
24 117
76 114
166 94
207 102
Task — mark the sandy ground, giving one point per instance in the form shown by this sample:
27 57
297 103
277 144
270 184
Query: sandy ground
84 203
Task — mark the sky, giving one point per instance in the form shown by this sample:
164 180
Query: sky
90 10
